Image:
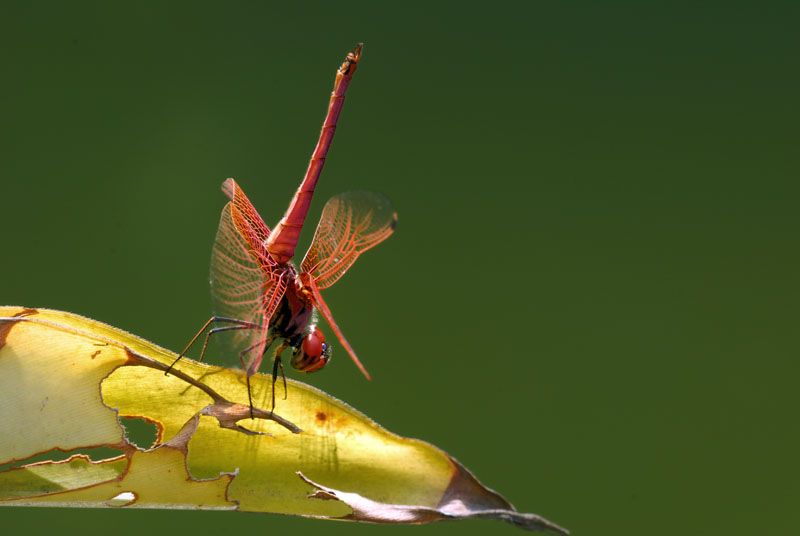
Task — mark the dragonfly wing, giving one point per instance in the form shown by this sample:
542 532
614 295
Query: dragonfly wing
322 307
246 209
246 284
351 223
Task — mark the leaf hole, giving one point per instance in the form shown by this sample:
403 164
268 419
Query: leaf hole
122 499
140 432
94 454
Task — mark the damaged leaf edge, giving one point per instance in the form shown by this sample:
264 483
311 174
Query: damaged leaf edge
228 414
370 511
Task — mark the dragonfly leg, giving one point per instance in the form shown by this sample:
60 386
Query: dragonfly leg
218 330
247 376
239 324
249 371
276 364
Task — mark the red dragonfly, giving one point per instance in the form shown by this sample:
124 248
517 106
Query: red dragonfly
258 292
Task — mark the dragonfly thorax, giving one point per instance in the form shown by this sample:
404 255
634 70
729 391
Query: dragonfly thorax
293 321
293 313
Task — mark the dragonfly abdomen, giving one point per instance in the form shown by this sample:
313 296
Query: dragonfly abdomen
283 240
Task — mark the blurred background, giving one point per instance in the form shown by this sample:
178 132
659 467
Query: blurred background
592 295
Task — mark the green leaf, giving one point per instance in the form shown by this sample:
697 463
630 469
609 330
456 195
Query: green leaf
66 380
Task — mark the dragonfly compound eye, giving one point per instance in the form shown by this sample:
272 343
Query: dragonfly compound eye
313 352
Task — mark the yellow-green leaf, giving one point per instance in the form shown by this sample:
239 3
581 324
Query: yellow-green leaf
65 381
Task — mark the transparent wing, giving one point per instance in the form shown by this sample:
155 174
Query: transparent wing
249 214
246 284
351 223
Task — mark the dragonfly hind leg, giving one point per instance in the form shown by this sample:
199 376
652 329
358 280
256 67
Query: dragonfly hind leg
276 364
254 364
238 325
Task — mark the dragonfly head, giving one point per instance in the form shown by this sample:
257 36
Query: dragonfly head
313 352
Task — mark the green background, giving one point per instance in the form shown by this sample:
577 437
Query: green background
592 296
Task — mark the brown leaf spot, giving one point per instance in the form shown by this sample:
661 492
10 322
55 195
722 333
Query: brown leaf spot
97 353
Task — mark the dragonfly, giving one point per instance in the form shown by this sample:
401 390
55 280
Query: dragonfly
259 294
